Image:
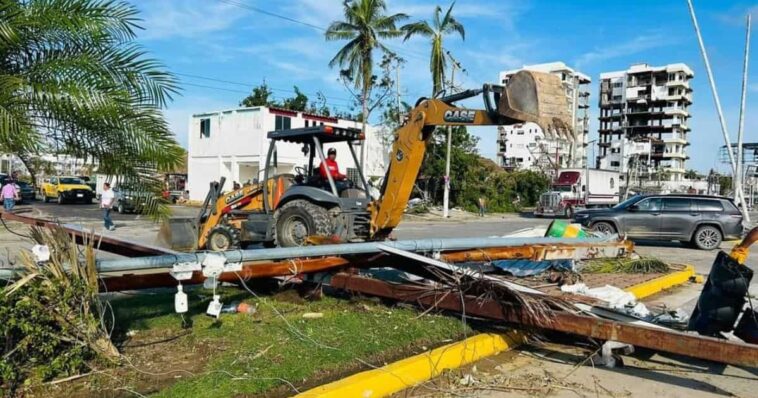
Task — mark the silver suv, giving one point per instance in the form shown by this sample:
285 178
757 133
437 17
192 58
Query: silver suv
703 221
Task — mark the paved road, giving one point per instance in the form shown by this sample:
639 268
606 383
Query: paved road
140 228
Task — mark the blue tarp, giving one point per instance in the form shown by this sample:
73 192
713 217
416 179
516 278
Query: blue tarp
521 268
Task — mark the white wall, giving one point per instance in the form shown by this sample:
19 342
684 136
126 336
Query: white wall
237 147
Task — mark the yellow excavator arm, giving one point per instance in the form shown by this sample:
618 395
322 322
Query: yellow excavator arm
528 97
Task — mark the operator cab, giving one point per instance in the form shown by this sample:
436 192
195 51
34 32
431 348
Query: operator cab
312 140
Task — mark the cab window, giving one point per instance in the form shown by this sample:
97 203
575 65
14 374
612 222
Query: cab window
53 180
652 204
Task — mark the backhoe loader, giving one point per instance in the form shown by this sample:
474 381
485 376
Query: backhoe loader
287 210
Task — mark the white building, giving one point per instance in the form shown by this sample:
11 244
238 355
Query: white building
645 104
524 147
528 147
233 144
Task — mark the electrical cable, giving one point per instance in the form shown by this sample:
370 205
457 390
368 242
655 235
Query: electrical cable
241 4
214 79
247 92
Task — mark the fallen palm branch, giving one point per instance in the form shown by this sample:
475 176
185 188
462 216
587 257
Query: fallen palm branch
51 318
643 265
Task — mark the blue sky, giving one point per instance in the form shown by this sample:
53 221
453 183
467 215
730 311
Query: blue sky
226 40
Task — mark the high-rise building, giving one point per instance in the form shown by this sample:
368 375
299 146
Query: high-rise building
526 146
645 104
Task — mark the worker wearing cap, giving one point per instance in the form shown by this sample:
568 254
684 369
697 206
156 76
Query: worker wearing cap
740 252
330 167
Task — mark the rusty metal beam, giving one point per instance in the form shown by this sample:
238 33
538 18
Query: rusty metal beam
661 340
104 243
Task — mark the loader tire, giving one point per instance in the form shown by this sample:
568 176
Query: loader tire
223 238
299 219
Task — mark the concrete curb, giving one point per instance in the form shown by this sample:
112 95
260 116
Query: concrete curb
411 371
657 285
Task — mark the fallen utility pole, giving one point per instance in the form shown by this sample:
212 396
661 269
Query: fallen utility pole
694 346
550 248
248 272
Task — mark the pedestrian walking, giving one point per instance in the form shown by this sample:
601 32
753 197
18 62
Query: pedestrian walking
106 203
482 206
9 194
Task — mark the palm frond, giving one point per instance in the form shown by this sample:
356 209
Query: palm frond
420 28
72 81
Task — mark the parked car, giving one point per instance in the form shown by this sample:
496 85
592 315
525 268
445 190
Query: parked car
129 200
701 220
66 189
25 191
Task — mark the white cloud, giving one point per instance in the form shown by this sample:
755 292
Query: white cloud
736 15
636 45
186 19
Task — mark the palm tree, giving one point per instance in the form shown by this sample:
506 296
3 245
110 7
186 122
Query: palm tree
436 31
365 25
73 82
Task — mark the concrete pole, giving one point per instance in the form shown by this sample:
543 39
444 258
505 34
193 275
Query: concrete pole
739 175
446 192
738 196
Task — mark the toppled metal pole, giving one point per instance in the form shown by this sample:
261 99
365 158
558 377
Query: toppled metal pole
657 339
349 249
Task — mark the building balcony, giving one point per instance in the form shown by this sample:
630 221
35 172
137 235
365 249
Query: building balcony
674 155
678 83
675 140
678 97
676 112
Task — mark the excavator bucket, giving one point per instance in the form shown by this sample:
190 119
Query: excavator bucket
537 97
179 233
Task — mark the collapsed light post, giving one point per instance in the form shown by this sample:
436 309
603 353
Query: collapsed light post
738 194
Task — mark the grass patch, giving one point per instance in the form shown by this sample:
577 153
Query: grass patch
644 265
248 355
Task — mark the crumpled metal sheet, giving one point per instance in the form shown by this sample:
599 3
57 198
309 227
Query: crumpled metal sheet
521 268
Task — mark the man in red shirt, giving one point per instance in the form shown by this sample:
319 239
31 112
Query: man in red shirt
330 166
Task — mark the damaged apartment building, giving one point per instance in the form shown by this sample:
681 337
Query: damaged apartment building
526 147
645 106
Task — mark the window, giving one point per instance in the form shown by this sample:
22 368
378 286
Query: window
617 84
652 204
676 204
205 128
615 164
709 205
307 122
616 98
283 123
612 183
54 180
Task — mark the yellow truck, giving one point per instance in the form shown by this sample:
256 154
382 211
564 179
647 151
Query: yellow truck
66 189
